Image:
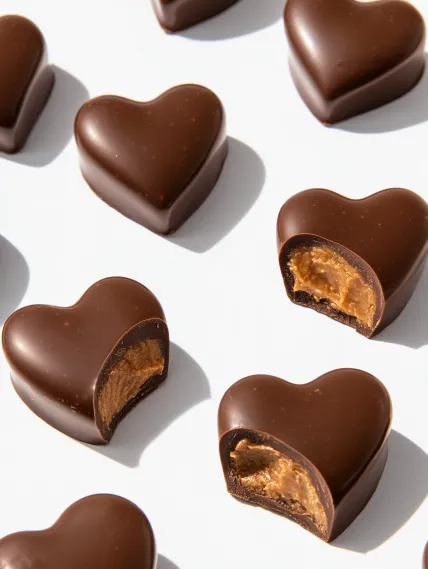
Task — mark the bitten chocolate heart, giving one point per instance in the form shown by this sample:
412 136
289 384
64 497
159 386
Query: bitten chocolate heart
154 162
177 15
97 532
313 453
84 367
357 261
349 57
26 80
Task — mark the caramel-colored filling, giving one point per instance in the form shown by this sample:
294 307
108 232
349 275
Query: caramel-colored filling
265 471
127 377
326 275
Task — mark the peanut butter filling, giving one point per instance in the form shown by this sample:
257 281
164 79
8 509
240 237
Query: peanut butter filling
127 377
326 275
265 471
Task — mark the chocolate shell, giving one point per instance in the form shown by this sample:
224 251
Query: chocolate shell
154 162
383 238
349 57
177 15
97 532
313 453
26 80
83 368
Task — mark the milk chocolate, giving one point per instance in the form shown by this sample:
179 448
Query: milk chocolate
83 368
97 532
177 15
154 162
313 453
26 80
425 563
349 57
357 261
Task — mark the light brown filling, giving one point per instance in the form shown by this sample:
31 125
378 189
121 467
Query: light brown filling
265 471
326 275
126 378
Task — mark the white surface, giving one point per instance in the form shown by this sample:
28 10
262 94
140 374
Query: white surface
218 281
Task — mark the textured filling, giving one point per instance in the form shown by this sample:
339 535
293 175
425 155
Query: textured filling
128 376
265 471
326 275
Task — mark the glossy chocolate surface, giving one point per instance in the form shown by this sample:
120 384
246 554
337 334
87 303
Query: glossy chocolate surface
336 426
177 15
385 235
349 57
26 80
60 357
154 162
97 532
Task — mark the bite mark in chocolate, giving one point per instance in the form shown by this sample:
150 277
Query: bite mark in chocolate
356 261
83 368
348 57
313 453
26 80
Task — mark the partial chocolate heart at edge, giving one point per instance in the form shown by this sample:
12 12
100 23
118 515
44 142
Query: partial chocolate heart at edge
313 453
177 15
349 57
362 259
83 368
100 532
154 162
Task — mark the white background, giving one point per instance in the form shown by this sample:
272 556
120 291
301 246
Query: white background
218 281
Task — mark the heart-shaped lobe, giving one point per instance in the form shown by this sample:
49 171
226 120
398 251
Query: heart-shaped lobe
154 162
349 57
25 80
313 452
177 15
97 532
82 368
357 261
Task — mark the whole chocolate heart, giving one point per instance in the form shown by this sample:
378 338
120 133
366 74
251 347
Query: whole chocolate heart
26 80
313 452
82 368
97 532
385 236
154 162
177 15
347 57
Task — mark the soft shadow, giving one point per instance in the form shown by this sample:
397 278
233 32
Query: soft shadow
245 17
409 110
14 278
164 563
235 193
185 387
410 329
54 129
401 491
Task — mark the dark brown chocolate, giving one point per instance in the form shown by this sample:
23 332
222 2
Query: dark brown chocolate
313 453
82 368
425 563
177 15
383 237
349 57
97 532
154 162
26 80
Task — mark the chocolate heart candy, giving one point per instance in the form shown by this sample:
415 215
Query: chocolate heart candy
154 162
97 532
176 15
349 57
82 368
313 453
26 80
425 564
357 261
